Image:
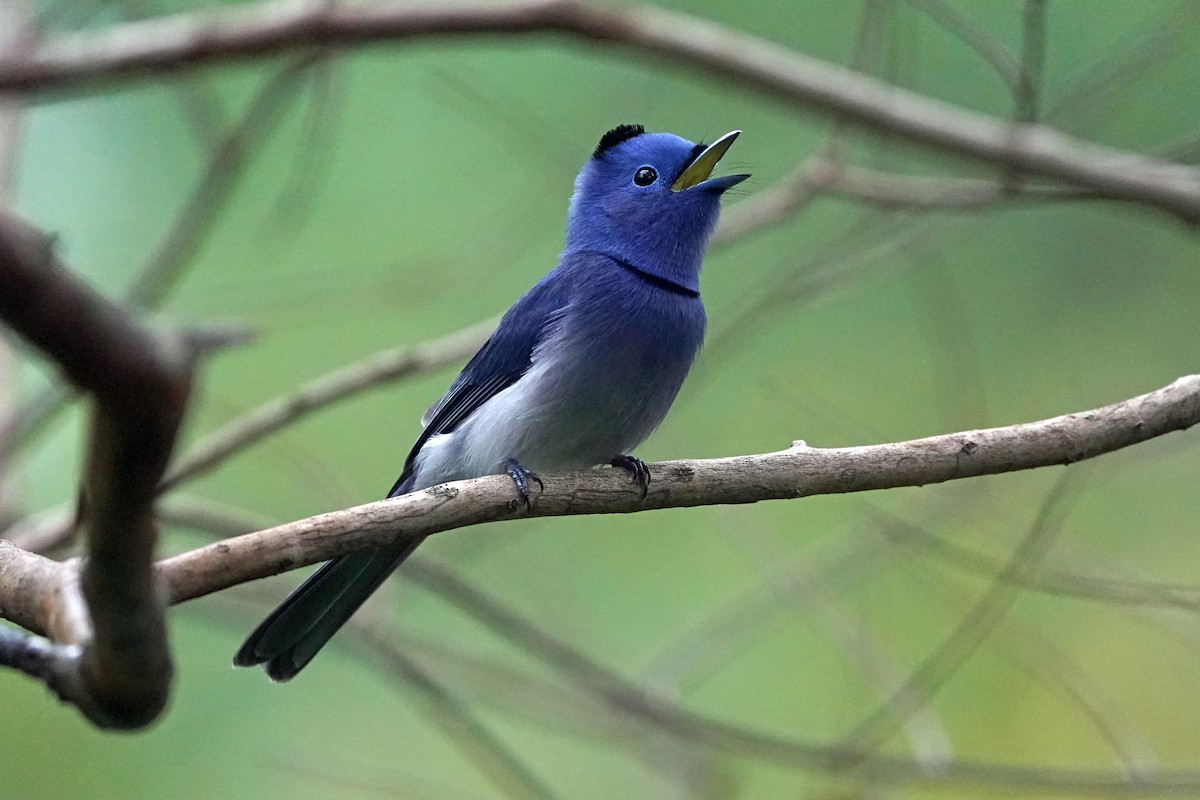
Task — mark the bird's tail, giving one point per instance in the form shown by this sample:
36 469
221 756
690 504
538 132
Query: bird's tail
296 631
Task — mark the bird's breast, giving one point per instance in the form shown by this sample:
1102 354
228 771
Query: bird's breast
601 381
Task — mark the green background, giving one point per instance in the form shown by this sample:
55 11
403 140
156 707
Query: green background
410 190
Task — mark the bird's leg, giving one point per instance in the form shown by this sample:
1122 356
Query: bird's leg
641 473
521 478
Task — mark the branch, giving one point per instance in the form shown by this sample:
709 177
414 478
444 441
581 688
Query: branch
178 248
799 471
349 381
16 34
253 30
112 659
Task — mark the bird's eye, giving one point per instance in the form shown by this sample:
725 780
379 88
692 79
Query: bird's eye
645 176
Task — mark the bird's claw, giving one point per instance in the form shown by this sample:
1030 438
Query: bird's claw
639 470
521 478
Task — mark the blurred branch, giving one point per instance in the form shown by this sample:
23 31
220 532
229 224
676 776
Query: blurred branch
1102 588
598 702
1046 661
974 627
491 755
653 709
182 242
209 197
323 391
16 37
111 658
796 472
253 30
1028 93
45 531
974 36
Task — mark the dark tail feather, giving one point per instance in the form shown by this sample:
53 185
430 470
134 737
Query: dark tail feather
289 638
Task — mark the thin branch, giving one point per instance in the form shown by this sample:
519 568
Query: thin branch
208 199
182 241
1048 580
119 672
970 632
253 30
599 703
491 755
773 204
323 391
974 36
1095 90
724 737
799 471
1028 94
932 193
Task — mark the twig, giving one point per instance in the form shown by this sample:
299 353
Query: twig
606 706
226 164
256 29
489 752
346 382
182 241
1028 93
724 737
962 27
1047 580
944 660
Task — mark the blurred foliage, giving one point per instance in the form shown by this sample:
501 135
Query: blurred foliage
410 190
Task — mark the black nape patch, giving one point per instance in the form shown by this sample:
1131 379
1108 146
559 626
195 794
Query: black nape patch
619 134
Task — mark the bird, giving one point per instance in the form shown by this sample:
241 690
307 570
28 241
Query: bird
578 373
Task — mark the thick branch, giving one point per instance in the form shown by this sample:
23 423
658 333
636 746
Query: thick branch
120 675
29 585
172 42
16 35
796 472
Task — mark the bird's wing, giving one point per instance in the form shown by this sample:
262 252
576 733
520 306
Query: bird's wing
502 360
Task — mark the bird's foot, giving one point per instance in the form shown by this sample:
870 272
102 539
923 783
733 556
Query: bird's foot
521 478
639 470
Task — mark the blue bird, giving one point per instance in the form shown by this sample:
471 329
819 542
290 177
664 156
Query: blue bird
579 372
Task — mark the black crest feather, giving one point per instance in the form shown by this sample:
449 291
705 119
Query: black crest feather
619 134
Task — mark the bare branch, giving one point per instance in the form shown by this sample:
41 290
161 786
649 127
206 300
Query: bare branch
636 702
491 755
119 675
256 29
183 240
208 199
799 471
28 584
987 46
974 627
315 395
599 702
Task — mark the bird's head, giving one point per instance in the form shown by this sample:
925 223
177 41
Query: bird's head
650 199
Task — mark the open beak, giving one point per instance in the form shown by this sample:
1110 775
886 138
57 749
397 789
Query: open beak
696 174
